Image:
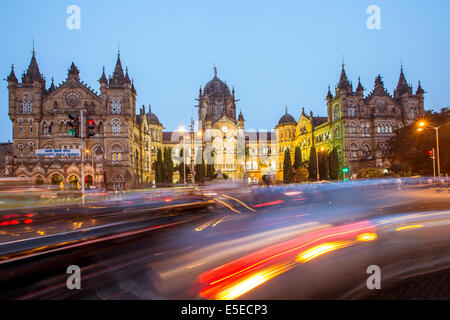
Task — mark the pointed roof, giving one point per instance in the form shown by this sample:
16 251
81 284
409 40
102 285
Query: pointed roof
419 89
32 74
329 96
118 77
379 89
241 116
12 76
344 84
402 85
73 73
52 86
360 87
103 77
132 87
127 78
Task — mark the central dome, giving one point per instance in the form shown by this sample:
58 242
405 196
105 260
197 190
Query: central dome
287 119
216 87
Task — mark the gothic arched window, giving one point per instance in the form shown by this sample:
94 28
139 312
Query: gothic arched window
116 152
336 112
30 121
366 151
116 106
353 151
20 147
352 128
115 125
27 105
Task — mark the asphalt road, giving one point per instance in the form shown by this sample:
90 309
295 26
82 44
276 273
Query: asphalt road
155 250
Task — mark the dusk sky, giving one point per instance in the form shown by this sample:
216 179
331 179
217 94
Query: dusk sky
275 53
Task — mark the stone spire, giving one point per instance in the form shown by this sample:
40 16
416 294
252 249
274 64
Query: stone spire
32 74
118 77
74 73
127 78
241 116
419 90
344 84
402 85
52 86
329 95
133 90
103 79
12 76
360 88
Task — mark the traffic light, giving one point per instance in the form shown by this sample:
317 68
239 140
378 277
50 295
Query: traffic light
345 170
74 125
91 126
431 154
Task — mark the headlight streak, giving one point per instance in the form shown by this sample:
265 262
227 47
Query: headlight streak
243 275
409 227
239 202
227 205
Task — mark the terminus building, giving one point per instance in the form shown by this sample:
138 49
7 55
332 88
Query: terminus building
358 126
123 150
118 155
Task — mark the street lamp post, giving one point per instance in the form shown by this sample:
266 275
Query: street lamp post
421 126
184 154
192 153
317 162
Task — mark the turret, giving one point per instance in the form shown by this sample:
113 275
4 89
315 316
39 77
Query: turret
360 88
12 79
103 80
344 85
402 86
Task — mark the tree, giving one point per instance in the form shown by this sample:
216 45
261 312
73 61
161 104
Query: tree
297 158
210 171
323 166
370 173
168 165
159 167
199 166
300 175
400 170
287 167
410 147
334 165
312 166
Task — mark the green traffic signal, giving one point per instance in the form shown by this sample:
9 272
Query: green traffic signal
345 170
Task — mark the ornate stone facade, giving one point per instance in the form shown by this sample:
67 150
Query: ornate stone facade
358 126
117 154
122 151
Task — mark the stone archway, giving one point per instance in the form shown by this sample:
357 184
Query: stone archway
56 179
74 181
38 180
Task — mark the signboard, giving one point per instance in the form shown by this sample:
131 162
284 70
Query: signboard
51 153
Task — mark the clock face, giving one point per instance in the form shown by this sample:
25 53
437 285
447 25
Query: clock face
224 129
73 99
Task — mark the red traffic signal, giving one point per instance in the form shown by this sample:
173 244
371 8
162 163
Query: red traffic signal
91 122
431 154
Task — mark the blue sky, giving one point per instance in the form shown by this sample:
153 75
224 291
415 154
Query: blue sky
275 53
